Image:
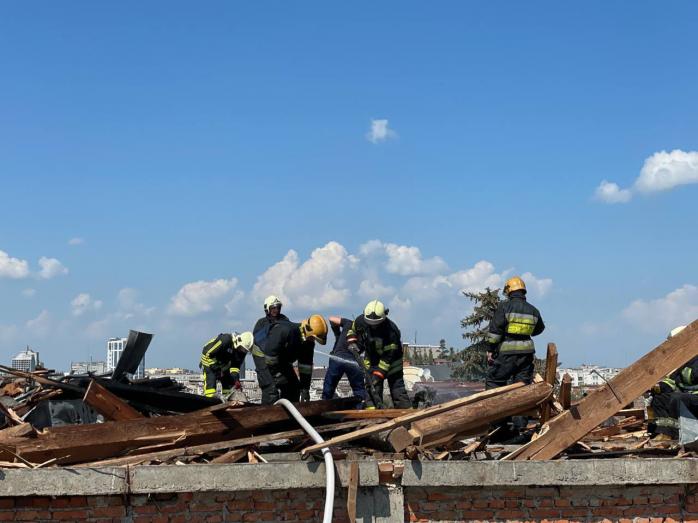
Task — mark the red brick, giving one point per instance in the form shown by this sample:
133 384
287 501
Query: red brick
7 516
211 506
69 501
562 503
142 519
607 511
31 515
477 514
70 515
574 512
463 505
438 496
546 502
110 512
481 503
265 505
510 514
513 493
496 503
240 505
545 513
144 509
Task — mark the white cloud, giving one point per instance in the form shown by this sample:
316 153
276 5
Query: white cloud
41 325
200 296
13 267
129 306
51 267
609 192
661 171
76 241
83 303
373 288
679 307
318 282
403 259
29 293
380 131
537 287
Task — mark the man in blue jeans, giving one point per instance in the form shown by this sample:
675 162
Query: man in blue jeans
337 368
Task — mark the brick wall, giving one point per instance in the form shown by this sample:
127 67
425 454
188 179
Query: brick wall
650 504
647 504
258 506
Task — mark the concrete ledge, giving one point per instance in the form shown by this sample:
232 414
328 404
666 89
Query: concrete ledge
299 475
551 473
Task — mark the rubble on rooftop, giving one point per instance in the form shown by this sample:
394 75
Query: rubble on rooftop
89 420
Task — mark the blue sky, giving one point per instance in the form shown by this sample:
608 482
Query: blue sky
187 149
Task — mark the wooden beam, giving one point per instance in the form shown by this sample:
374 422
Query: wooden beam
550 378
232 456
475 415
604 402
108 405
80 443
352 490
197 450
566 391
409 418
368 414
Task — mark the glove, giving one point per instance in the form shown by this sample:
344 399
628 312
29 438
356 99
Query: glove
305 395
237 385
280 380
377 373
657 389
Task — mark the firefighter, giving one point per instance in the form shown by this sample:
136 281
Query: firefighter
221 358
338 368
287 343
380 341
272 314
511 352
680 387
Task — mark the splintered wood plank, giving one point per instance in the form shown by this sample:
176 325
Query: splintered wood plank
352 489
566 391
550 378
604 402
475 415
409 418
368 414
197 450
109 405
80 443
232 456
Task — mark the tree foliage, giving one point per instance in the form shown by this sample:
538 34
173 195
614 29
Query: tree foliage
473 359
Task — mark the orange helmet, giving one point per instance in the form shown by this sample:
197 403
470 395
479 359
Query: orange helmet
514 284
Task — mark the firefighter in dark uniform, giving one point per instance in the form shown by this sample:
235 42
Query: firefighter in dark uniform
337 367
380 341
511 353
272 314
221 359
677 389
287 343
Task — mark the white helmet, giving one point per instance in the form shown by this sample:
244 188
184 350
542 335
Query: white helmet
675 331
244 341
271 302
375 312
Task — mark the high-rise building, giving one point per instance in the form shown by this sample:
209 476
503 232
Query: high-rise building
115 346
27 360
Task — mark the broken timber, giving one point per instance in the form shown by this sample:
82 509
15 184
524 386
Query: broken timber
75 444
631 382
409 418
473 416
108 405
550 377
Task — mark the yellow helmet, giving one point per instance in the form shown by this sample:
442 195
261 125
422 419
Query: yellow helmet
514 284
243 342
315 327
375 312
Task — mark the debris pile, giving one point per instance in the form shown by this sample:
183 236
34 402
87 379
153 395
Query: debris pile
88 421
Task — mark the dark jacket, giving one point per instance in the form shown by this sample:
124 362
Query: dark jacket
340 347
381 344
285 345
513 324
261 331
219 354
684 379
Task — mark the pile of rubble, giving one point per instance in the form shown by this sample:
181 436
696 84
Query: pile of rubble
89 421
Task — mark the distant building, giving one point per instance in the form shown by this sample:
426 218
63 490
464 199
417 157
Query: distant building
115 346
192 380
423 351
88 367
27 360
588 375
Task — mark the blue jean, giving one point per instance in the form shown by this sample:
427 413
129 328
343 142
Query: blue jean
336 370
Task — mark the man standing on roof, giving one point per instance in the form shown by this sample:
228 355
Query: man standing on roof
272 314
287 343
677 389
380 340
337 368
511 351
221 358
